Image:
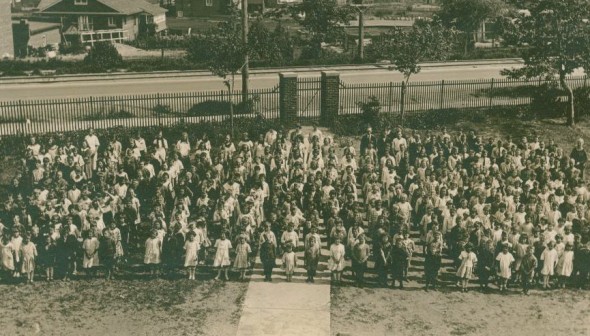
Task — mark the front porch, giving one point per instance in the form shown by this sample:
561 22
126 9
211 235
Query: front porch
92 36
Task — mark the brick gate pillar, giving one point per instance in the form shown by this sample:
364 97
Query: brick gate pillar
330 103
289 98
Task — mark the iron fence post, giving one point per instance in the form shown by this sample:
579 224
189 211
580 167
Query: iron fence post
402 103
442 94
491 93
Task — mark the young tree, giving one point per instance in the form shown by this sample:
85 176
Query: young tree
467 16
426 41
223 52
556 40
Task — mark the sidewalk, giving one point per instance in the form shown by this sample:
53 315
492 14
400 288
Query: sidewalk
285 309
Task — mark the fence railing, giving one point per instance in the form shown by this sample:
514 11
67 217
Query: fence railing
166 109
440 95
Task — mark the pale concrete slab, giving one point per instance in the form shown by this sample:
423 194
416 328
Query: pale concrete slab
286 309
288 295
283 322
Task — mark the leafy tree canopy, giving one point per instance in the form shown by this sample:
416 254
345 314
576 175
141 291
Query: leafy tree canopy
556 37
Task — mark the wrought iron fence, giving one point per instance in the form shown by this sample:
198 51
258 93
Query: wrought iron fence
414 97
166 109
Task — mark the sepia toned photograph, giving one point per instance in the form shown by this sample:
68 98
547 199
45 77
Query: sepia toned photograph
294 167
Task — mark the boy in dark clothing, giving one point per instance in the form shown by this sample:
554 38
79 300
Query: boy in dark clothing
398 260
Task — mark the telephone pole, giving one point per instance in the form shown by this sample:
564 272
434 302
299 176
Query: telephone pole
245 68
361 6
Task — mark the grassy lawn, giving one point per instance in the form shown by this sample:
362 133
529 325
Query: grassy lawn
125 307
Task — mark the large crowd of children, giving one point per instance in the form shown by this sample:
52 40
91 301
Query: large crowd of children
505 211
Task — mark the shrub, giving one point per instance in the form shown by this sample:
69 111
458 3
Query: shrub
582 102
104 56
162 109
217 107
546 101
112 114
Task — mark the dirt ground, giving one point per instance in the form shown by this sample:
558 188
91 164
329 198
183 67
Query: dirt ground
122 307
381 311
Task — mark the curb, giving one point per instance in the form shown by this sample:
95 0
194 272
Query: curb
205 73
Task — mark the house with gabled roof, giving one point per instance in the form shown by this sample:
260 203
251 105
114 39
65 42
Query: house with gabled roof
90 21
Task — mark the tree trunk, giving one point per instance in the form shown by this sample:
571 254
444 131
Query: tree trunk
570 103
466 43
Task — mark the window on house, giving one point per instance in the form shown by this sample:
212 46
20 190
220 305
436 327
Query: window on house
209 3
84 23
80 2
111 21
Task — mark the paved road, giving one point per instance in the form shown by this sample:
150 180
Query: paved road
113 87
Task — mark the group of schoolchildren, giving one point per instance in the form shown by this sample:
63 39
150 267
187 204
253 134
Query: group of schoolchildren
507 211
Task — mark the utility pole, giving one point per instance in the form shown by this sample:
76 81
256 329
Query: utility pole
361 34
245 68
360 6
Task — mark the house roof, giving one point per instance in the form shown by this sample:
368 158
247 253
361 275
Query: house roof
127 7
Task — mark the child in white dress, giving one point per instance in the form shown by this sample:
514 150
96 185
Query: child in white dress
90 247
289 262
29 253
191 256
565 265
336 261
468 260
550 258
153 253
222 261
241 262
505 260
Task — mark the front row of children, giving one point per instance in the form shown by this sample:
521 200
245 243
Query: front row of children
103 252
551 263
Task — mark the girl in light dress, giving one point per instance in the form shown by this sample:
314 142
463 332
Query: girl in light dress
520 253
550 259
191 256
7 256
243 251
505 260
91 258
468 261
222 261
336 261
565 265
289 262
153 252
312 257
28 253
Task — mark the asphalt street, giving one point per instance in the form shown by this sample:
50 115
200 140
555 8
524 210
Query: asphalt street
116 87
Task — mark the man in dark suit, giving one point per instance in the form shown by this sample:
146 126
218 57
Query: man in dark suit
366 139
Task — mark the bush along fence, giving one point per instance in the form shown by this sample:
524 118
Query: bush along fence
294 99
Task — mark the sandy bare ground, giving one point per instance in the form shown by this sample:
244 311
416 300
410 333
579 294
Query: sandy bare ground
381 311
126 307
